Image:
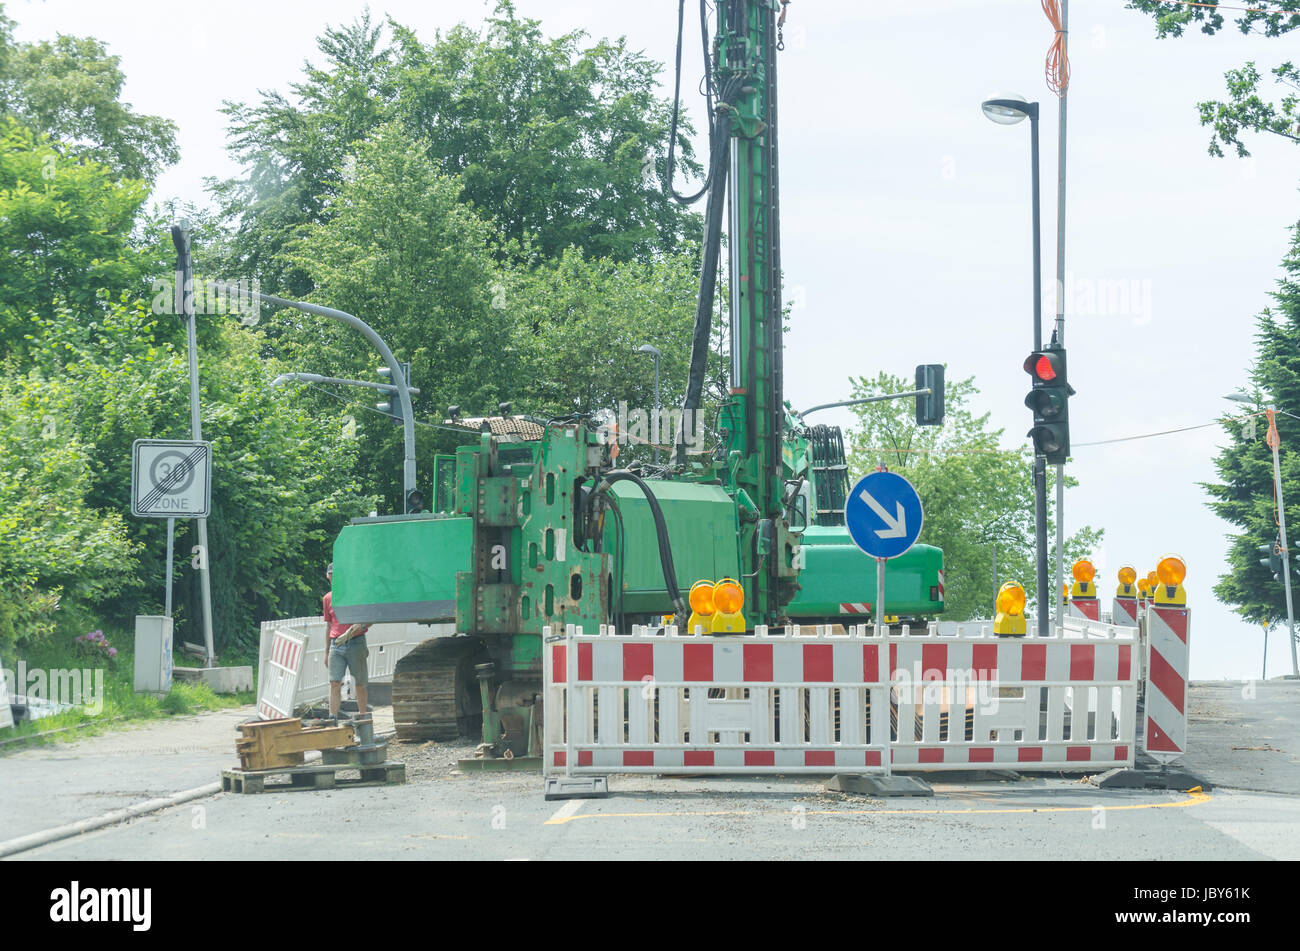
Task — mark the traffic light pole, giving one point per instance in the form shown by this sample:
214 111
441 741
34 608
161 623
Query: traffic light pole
1040 462
395 368
1274 442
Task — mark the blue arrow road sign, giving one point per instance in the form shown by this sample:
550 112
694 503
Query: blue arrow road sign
883 514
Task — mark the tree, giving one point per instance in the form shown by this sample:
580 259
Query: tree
65 225
70 89
1245 497
551 139
977 496
552 336
1246 110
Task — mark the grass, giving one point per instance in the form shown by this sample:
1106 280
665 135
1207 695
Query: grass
121 704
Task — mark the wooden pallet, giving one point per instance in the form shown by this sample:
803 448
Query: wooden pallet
295 778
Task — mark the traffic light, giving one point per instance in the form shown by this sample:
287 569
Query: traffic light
1272 559
929 406
392 407
1049 401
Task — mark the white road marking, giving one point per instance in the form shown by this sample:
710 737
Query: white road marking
566 810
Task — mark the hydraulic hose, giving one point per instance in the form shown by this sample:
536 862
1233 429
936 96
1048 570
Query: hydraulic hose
661 529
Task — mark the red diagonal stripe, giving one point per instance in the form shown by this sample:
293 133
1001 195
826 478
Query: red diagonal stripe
1158 739
1176 620
1167 680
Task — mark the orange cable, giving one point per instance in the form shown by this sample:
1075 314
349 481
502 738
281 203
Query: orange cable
1058 60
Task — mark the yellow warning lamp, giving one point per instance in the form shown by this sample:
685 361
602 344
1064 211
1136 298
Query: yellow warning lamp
1083 572
1171 571
1144 588
1010 606
702 607
1127 577
728 599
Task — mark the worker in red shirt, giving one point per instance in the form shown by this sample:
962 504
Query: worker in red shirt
346 651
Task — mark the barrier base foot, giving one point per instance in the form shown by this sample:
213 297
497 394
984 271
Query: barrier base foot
883 787
577 787
1164 777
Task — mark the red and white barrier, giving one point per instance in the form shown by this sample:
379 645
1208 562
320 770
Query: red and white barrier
279 676
818 703
1089 608
1167 635
1124 612
665 703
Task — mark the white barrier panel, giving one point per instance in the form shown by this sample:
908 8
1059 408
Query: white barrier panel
791 703
1168 633
667 703
1023 703
387 643
6 715
279 676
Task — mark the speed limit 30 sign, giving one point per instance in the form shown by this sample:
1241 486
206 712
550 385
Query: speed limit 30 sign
171 478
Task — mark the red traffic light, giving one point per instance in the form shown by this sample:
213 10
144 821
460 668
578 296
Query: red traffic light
1042 366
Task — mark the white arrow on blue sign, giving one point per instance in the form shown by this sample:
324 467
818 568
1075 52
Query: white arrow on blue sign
883 514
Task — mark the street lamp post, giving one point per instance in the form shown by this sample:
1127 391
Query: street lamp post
1273 443
1009 110
654 352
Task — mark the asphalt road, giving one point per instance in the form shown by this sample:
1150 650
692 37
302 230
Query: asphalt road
1248 744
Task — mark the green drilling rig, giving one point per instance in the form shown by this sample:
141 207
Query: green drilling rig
535 523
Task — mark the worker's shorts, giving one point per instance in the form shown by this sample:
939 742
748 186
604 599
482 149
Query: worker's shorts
351 656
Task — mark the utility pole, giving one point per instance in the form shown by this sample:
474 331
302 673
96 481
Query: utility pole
1060 309
1274 441
185 295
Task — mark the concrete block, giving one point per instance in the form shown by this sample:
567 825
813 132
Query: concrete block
577 787
884 787
1172 777
220 679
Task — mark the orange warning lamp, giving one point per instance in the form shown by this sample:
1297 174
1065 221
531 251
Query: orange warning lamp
1171 571
728 598
702 607
1010 605
1083 572
1127 576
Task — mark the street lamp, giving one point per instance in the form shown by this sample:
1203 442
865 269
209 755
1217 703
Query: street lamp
654 352
1273 442
1008 110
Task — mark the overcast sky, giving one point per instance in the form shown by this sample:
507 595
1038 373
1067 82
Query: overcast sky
905 216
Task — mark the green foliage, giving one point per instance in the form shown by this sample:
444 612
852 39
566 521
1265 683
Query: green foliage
1246 110
1245 495
977 496
66 229
70 89
549 139
56 548
1265 17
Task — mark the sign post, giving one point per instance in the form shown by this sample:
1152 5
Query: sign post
884 517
